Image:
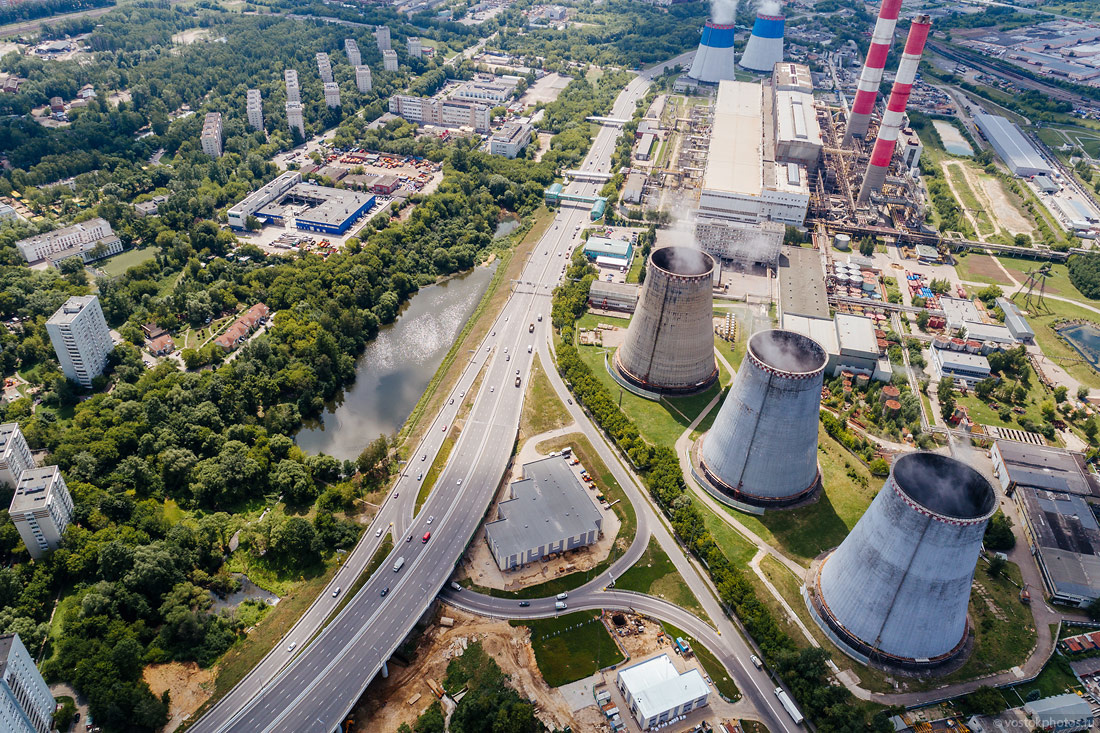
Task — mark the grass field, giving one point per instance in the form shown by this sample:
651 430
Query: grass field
655 575
120 263
968 200
1057 677
571 647
714 669
1053 346
805 532
542 410
738 549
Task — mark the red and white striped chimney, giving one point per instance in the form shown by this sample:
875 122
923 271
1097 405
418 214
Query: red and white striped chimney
890 126
871 77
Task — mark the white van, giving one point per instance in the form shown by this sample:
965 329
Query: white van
399 564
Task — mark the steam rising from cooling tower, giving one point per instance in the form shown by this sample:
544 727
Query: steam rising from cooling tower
896 591
765 46
669 345
714 61
762 448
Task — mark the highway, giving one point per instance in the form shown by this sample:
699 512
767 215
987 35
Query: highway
313 686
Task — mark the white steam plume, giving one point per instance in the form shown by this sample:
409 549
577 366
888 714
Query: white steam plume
723 12
769 7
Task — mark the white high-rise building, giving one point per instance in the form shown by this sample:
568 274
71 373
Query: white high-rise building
294 117
26 703
15 454
351 48
80 338
290 76
41 509
324 67
389 60
255 109
332 94
382 36
416 50
362 78
211 138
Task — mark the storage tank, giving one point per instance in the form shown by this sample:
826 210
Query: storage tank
669 346
762 448
896 590
843 242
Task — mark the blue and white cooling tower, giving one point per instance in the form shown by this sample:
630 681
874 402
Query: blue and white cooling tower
896 590
765 46
714 61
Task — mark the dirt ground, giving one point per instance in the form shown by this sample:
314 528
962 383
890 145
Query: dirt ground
991 193
187 37
188 685
386 703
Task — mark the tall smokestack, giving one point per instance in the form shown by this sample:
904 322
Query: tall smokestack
871 77
669 346
890 126
762 448
714 60
896 590
764 48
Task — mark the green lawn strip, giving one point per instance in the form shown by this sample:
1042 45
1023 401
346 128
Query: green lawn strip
805 532
120 263
655 575
542 409
715 670
612 491
571 647
1055 678
982 413
753 726
438 464
376 561
1052 344
738 549
968 200
734 352
635 271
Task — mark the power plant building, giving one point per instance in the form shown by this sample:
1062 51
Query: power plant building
764 49
41 509
613 296
848 339
714 61
1012 146
254 108
897 589
15 454
669 345
80 338
657 693
762 448
548 511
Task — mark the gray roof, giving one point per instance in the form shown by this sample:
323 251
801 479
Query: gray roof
1014 319
1068 539
1015 149
72 308
7 430
1061 712
1047 468
548 505
802 283
35 486
605 289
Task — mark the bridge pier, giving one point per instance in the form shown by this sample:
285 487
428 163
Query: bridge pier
385 670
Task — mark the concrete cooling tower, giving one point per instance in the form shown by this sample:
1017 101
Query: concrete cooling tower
714 60
896 590
765 46
669 345
762 448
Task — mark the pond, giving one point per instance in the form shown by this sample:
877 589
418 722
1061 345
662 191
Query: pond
395 368
506 226
249 590
1085 340
953 140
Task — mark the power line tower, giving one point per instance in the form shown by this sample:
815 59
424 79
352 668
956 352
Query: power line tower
1036 278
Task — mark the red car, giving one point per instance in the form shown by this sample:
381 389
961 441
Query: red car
427 536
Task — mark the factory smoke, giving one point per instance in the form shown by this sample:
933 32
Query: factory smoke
682 260
779 349
723 12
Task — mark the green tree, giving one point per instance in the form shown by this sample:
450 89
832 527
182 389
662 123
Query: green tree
998 535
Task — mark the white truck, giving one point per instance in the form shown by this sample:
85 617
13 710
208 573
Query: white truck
399 564
788 705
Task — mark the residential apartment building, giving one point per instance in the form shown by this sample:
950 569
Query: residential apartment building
382 38
389 60
441 112
324 67
211 138
293 94
80 338
41 509
91 240
351 48
363 78
26 703
255 109
415 48
15 454
294 118
332 94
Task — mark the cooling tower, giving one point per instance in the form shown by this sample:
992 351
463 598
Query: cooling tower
890 126
871 76
669 346
896 590
765 46
762 448
714 60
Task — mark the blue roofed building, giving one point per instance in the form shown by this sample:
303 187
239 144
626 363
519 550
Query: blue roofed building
618 249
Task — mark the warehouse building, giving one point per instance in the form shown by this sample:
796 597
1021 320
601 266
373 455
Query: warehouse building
1064 713
962 367
656 692
548 511
1020 464
615 249
253 202
1012 146
613 296
1015 322
327 210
